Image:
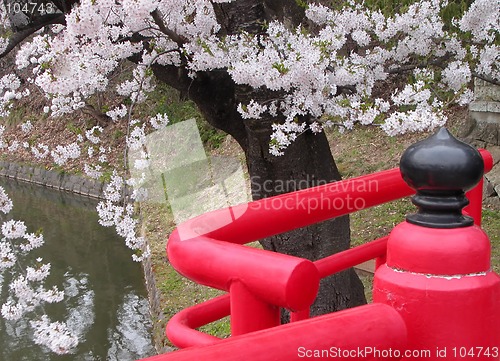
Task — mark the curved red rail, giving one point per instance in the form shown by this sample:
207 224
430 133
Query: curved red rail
208 249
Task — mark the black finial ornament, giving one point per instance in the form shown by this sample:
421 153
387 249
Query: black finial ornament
441 168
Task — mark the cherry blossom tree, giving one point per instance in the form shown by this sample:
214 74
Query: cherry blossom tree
271 73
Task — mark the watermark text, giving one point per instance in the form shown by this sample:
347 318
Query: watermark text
470 352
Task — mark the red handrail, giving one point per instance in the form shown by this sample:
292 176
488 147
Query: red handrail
208 250
186 321
377 325
349 258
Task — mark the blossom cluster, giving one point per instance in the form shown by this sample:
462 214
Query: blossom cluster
63 153
27 292
310 68
55 335
60 154
10 90
121 217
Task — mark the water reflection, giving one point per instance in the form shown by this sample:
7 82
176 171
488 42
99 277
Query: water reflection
106 299
129 337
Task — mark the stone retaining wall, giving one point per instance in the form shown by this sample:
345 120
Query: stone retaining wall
486 97
155 309
53 179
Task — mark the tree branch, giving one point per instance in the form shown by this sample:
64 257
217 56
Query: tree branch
65 5
440 63
485 78
437 62
22 34
179 40
102 119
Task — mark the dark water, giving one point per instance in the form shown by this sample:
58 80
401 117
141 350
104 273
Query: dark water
105 295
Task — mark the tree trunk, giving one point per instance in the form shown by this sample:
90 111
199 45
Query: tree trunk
307 162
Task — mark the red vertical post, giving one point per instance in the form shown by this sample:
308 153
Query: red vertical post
475 207
250 313
438 273
300 315
379 261
475 195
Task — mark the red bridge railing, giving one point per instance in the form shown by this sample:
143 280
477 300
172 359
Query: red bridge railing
210 250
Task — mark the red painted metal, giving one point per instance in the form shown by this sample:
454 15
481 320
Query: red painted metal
273 277
456 251
270 216
208 249
475 195
242 313
299 316
441 283
347 259
380 260
361 331
181 328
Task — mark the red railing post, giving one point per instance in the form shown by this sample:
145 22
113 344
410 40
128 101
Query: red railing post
250 313
475 195
438 273
181 328
325 337
299 316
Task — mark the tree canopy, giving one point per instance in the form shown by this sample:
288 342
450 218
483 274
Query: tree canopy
315 61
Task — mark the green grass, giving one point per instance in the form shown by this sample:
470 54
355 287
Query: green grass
176 291
221 328
74 128
491 225
376 222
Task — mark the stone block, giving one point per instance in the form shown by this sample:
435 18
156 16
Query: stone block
494 177
485 126
96 190
488 189
4 168
53 179
487 93
478 106
72 183
494 107
13 168
492 202
484 106
495 153
497 190
25 173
